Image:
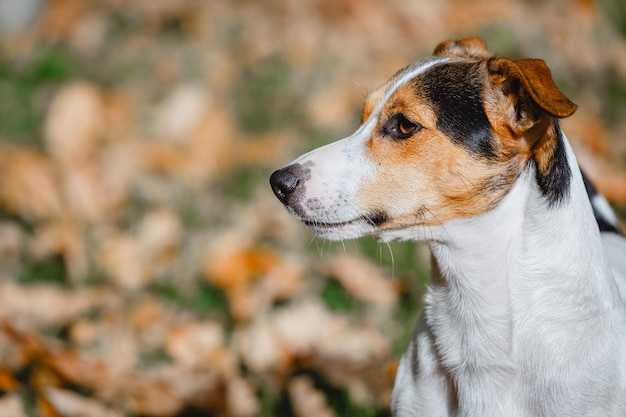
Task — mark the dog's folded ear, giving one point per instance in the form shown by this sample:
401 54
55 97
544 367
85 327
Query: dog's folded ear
465 48
533 77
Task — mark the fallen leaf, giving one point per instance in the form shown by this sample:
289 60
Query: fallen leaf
242 401
28 184
308 401
121 257
48 305
45 408
309 331
180 113
364 281
196 345
70 404
11 406
159 234
84 192
234 265
74 122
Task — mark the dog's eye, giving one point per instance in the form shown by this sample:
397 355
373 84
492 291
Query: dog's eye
400 127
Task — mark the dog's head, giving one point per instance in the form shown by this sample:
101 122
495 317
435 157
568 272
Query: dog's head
444 138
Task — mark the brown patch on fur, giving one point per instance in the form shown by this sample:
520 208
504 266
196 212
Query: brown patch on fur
426 179
544 148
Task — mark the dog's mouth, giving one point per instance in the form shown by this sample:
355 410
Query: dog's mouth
360 226
315 224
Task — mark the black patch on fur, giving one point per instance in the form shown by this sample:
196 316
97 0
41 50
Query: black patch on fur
603 223
455 91
555 181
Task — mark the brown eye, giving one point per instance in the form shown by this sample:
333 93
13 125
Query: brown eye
399 126
405 127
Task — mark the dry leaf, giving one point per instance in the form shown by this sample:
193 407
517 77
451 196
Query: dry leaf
121 257
84 332
74 122
47 305
309 330
85 195
69 404
45 409
196 345
242 401
28 184
164 391
308 401
11 406
159 234
157 398
261 349
364 281
212 149
147 313
180 113
234 265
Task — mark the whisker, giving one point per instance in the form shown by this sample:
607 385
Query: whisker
465 180
393 260
319 250
438 221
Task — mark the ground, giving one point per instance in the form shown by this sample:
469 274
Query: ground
146 269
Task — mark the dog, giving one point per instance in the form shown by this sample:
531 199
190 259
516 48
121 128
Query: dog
525 312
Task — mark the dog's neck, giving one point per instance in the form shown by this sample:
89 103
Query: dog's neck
522 261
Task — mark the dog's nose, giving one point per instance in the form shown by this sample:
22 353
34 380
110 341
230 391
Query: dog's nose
283 183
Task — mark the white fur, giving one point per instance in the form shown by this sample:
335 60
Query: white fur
526 319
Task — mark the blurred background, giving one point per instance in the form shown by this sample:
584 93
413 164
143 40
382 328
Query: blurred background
146 268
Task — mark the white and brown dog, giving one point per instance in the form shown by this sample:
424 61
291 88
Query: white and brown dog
464 151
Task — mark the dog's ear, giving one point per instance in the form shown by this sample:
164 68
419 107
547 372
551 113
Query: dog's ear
465 48
529 79
526 100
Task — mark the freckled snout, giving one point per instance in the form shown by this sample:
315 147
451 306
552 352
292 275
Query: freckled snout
284 182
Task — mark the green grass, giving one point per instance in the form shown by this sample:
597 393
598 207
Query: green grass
25 88
205 300
336 297
49 270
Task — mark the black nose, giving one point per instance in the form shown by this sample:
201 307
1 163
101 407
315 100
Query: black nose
283 183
